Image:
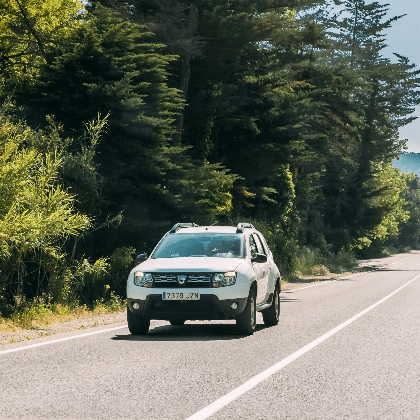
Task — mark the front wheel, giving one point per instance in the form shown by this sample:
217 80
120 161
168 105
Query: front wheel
247 320
271 315
137 324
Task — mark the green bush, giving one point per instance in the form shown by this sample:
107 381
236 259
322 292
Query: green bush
305 260
121 262
341 262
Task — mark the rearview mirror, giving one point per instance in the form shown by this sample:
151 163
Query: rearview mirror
259 258
141 257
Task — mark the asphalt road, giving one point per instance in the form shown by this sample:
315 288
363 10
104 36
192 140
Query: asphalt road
346 349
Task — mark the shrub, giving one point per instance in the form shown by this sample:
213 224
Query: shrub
305 260
341 262
319 270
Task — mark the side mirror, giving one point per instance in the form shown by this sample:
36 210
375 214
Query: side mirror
140 258
259 258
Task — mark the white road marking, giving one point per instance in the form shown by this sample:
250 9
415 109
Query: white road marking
217 405
312 285
72 337
60 340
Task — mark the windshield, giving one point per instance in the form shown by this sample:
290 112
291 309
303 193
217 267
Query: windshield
223 245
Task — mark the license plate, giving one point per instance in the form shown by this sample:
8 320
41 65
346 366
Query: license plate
180 296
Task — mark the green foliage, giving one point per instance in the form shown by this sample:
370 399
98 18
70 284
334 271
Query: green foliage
215 111
342 261
409 231
117 67
110 302
29 30
31 313
121 262
37 215
82 282
305 261
388 188
312 262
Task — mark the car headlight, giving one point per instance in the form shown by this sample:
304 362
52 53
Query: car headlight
143 279
224 279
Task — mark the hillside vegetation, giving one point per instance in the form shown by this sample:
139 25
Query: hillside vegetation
408 163
119 119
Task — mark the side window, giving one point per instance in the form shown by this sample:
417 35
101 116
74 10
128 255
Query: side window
253 246
260 246
264 244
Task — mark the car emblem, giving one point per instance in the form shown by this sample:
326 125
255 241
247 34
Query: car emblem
182 278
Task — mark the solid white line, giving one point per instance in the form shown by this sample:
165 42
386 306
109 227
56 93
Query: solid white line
217 405
60 340
320 283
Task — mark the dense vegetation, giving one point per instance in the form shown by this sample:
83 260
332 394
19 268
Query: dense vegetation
118 120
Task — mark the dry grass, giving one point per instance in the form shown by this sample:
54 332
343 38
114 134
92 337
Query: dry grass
6 325
42 315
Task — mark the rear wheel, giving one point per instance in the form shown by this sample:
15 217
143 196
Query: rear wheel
271 315
247 320
137 324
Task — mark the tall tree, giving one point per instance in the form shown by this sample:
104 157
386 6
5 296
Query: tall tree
386 97
114 66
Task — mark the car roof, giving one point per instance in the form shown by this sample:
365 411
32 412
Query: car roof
207 229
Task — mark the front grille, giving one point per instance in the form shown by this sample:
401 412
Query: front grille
192 280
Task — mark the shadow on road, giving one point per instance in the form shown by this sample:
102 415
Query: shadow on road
287 299
188 332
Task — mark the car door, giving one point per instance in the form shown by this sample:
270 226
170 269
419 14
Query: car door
261 269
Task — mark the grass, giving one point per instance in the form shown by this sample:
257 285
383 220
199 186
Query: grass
42 314
309 262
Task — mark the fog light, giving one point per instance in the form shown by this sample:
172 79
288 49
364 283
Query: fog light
234 306
136 305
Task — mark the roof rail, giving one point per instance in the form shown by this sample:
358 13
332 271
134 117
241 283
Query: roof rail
178 226
242 226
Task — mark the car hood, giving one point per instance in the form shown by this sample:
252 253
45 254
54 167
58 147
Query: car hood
189 264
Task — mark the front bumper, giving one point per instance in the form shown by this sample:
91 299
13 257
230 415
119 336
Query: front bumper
207 308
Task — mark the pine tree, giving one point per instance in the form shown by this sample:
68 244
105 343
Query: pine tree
113 66
385 98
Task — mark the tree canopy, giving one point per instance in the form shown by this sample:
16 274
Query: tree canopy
152 112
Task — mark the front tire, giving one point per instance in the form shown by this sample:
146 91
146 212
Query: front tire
246 321
271 315
137 324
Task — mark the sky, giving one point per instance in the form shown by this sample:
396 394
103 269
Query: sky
404 38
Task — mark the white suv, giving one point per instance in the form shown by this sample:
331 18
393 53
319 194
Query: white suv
205 273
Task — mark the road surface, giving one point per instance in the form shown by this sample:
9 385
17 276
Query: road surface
346 349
